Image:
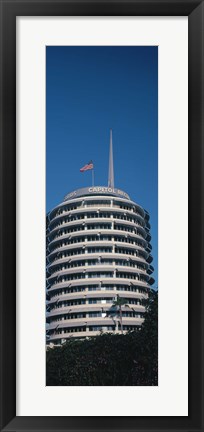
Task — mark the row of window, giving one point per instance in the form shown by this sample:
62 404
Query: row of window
92 328
63 267
93 315
100 237
92 227
101 300
97 215
86 275
99 260
91 250
98 288
95 203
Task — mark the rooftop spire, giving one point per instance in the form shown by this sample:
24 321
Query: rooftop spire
111 171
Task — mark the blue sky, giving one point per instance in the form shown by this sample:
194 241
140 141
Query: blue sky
88 91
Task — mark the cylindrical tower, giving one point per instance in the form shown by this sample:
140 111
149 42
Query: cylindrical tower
98 253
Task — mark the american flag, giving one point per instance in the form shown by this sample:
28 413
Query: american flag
86 167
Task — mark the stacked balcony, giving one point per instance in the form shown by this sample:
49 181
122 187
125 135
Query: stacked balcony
98 249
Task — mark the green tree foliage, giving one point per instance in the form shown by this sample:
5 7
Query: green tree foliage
109 359
115 311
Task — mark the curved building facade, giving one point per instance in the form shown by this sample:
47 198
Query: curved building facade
98 251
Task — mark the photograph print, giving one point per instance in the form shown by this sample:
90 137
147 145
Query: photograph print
101 216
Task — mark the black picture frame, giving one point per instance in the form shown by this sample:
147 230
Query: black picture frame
194 9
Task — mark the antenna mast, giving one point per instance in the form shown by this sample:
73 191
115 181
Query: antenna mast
111 171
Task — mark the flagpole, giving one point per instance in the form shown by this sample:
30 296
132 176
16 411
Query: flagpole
92 177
